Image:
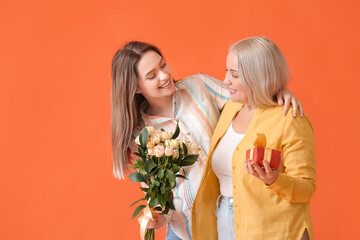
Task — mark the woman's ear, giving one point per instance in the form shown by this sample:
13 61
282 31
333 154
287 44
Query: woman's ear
137 91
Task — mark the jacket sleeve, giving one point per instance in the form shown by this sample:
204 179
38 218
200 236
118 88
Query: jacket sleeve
296 182
218 91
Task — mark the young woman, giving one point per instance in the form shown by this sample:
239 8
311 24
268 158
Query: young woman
238 199
144 93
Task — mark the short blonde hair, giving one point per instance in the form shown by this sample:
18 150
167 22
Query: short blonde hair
263 70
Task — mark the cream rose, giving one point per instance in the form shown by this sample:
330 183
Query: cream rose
151 130
137 140
155 139
149 144
165 136
193 149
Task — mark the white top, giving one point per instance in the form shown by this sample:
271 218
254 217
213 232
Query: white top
222 160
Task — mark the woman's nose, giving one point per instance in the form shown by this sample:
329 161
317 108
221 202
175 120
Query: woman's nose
163 75
227 79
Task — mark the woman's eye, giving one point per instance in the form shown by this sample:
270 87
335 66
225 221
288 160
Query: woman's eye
162 66
234 76
151 76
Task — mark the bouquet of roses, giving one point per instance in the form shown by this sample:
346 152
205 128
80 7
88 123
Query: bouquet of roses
161 157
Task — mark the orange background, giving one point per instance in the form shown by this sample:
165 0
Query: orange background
56 162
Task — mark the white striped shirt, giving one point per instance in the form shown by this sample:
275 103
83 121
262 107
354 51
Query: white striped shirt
197 103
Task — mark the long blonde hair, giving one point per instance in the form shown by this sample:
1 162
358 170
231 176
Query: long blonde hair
263 70
125 102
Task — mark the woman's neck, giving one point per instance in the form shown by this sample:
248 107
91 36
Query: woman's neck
243 118
248 108
161 107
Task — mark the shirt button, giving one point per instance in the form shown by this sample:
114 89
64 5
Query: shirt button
237 148
234 167
188 133
234 187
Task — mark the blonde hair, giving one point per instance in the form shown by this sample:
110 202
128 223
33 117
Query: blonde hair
125 102
263 70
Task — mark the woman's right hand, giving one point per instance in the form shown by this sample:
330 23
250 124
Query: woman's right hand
157 222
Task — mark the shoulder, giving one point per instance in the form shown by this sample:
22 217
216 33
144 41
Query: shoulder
231 106
193 84
276 115
230 109
191 80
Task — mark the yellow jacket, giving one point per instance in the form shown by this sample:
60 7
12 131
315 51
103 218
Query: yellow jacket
280 211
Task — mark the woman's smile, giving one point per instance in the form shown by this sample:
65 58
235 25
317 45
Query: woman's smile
167 84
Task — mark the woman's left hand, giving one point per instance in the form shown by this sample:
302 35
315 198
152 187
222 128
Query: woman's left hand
288 97
268 176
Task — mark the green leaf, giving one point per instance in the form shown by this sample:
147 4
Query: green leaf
153 202
171 205
158 208
169 175
161 173
139 163
181 176
162 200
137 201
151 193
138 210
144 137
184 149
177 131
188 160
162 189
137 177
144 189
175 167
157 183
172 183
166 211
169 196
149 166
141 152
147 196
153 171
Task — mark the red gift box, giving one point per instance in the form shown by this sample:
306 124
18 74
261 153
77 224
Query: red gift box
260 153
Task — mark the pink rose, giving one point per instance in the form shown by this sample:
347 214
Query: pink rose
176 154
159 150
169 151
151 151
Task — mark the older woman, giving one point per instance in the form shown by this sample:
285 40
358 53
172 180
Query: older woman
237 198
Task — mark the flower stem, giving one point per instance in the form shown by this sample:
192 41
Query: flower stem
150 234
